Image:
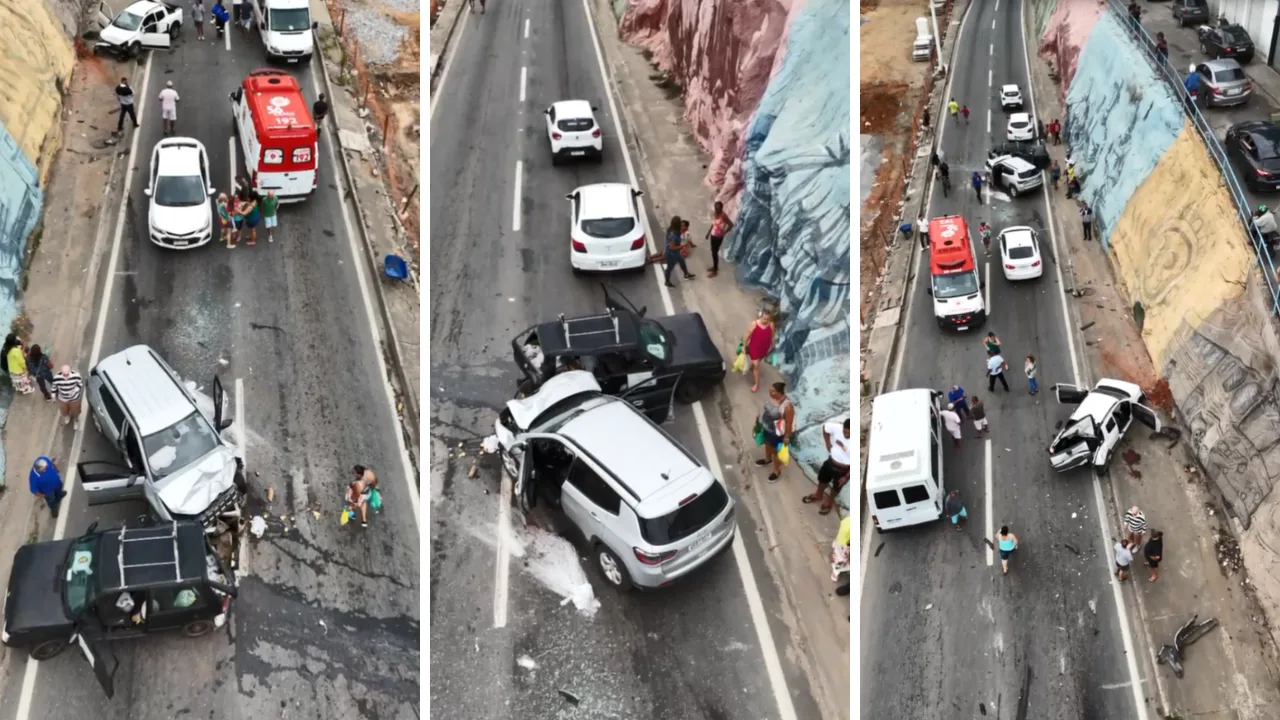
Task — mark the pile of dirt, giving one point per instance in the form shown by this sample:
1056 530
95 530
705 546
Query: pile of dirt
868 5
881 104
1159 395
1229 557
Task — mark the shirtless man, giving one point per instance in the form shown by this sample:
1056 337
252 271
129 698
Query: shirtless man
358 492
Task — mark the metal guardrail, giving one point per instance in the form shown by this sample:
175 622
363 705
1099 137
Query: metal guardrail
1243 208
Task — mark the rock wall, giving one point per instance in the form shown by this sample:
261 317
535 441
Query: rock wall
766 92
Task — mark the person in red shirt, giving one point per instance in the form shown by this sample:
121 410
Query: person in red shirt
965 112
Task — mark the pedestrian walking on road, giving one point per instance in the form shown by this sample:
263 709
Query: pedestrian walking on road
956 397
169 108
46 482
720 227
995 371
1032 370
955 509
757 343
124 99
1135 526
1124 558
933 158
320 110
984 231
953 107
834 472
1086 220
1006 543
922 231
944 174
952 422
674 252
197 17
1055 131
269 206
979 412
1153 552
964 111
1055 174
68 386
777 419
991 343
977 186
41 369
1073 188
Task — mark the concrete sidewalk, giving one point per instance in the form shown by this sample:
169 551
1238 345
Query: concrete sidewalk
798 540
1232 672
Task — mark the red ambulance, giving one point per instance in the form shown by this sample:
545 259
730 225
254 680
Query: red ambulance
953 275
277 135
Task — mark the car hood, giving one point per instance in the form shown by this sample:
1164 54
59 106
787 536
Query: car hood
525 411
288 41
113 35
692 345
35 596
958 305
193 489
181 220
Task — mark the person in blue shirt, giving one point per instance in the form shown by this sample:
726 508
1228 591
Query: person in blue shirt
956 397
977 186
675 250
46 483
220 16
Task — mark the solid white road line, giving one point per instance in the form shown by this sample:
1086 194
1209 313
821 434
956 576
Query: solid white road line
990 76
524 79
448 63
1126 635
515 205
77 441
772 660
526 28
502 572
231 153
988 121
986 271
990 521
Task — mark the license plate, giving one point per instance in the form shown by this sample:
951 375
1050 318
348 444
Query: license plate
578 152
292 59
700 541
963 327
608 264
1233 92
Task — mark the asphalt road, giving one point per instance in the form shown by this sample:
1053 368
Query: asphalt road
327 622
688 652
943 633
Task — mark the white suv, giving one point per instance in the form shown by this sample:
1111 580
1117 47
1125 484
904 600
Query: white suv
606 228
573 131
181 213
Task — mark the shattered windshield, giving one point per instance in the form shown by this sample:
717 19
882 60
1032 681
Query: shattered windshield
80 585
175 448
127 21
654 340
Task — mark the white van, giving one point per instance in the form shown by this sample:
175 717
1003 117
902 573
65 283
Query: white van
286 27
904 459
922 48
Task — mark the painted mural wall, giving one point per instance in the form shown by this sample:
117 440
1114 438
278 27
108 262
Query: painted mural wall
766 89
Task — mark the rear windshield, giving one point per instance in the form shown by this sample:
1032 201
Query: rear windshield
687 519
886 499
575 124
1028 174
1267 145
1235 36
1020 253
1223 75
608 227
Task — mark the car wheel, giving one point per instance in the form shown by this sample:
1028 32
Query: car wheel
691 391
1013 191
509 464
174 30
197 628
612 568
48 649
133 50
555 159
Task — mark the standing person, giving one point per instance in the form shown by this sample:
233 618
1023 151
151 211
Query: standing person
41 368
124 98
955 509
1086 220
977 186
220 17
956 397
1055 174
834 472
1135 526
197 17
686 237
16 357
991 343
46 482
952 421
777 417
319 110
1124 558
1030 368
1153 552
1071 170
964 111
674 252
984 230
169 108
757 343
1006 543
944 174
953 107
980 417
249 211
1162 48
720 227
68 386
1135 16
269 206
225 218
922 231
840 554
933 158
995 371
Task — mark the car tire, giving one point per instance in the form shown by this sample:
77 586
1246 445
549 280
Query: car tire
175 30
133 50
197 628
600 158
1013 191
48 649
611 568
555 159
691 391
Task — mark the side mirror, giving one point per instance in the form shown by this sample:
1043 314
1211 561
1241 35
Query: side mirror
929 290
638 193
225 424
594 108
213 191
92 527
315 26
570 196
643 309
147 192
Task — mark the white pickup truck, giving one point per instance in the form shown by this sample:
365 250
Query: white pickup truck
143 24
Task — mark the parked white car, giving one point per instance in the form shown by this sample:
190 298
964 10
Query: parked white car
1098 424
180 188
573 131
606 228
1013 174
143 24
1021 127
1020 253
1010 97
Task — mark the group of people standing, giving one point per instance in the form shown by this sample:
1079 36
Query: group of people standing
679 243
240 214
30 367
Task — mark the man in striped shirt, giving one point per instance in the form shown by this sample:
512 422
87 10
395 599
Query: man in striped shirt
68 387
1135 526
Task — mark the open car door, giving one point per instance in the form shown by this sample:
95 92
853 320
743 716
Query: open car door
155 32
100 658
105 482
526 486
1146 415
529 358
1070 394
221 415
615 300
104 14
1074 446
655 396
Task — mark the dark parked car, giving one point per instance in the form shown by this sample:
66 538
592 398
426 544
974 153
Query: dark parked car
1189 12
1033 151
1254 149
1226 41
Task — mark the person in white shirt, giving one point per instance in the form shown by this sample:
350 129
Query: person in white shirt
995 371
834 472
169 107
952 421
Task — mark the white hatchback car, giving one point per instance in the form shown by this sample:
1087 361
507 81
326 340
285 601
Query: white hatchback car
606 228
1010 97
180 187
1020 253
573 131
1021 127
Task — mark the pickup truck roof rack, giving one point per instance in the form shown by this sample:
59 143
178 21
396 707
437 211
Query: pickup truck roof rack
589 326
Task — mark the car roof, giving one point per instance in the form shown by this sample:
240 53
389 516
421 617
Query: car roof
1015 117
178 156
897 449
1097 404
140 557
1224 64
151 399
605 200
587 334
1013 161
1008 88
573 109
1257 127
1018 236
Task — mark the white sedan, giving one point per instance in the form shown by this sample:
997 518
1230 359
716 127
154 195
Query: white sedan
180 216
1097 426
606 228
1021 127
1010 97
1020 253
573 131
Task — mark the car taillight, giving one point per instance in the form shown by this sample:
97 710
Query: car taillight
595 133
556 136
651 559
637 244
1262 173
1248 86
1035 264
1216 91
1009 267
578 247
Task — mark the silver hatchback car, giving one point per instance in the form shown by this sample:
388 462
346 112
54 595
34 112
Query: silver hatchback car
649 510
1223 83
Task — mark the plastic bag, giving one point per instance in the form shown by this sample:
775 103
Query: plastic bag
346 516
773 358
784 454
758 433
375 499
740 363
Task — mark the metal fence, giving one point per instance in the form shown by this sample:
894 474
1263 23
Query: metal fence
1243 208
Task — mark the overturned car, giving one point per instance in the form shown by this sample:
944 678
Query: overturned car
1101 418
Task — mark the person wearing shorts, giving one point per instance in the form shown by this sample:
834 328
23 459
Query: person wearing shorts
834 472
68 388
978 412
1124 558
1006 543
1153 552
269 205
955 509
248 209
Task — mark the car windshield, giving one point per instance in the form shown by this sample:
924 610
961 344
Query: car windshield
608 227
1021 252
957 285
180 191
575 124
80 584
687 519
654 340
175 448
127 21
293 20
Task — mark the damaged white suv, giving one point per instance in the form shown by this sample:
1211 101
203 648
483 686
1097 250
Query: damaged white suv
175 457
1097 426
